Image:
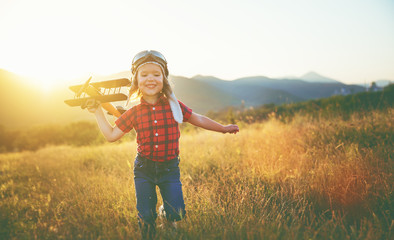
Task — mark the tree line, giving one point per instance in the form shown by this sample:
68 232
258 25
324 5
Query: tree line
335 106
77 134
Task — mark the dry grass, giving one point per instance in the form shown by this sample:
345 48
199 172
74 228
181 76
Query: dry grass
308 179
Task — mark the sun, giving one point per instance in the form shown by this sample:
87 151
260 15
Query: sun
45 84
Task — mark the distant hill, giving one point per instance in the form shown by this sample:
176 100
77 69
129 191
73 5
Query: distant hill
332 107
200 96
299 88
383 82
262 90
250 92
379 83
315 77
23 106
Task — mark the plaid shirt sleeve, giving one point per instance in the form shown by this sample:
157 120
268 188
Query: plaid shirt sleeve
125 121
187 112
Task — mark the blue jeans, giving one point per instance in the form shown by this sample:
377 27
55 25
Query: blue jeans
149 174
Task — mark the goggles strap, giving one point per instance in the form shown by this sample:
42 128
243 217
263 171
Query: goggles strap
158 64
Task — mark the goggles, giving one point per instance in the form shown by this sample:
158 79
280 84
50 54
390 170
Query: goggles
146 56
146 53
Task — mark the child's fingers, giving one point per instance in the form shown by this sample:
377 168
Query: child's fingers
91 105
233 129
92 110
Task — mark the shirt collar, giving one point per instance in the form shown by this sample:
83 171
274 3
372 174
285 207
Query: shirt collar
162 99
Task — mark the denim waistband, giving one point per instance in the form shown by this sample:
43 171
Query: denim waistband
148 162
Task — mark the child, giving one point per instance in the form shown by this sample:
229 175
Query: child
155 121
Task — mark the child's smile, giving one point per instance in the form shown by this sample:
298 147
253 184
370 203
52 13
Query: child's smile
150 81
151 86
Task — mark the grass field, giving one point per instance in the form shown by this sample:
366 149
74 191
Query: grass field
306 179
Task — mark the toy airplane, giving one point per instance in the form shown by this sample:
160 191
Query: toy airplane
104 92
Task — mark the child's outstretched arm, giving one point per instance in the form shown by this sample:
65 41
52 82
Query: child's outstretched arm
111 133
209 124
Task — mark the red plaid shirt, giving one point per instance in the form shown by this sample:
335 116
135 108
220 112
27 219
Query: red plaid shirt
157 131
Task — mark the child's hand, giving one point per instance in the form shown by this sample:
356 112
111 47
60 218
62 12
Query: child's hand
92 105
232 128
92 109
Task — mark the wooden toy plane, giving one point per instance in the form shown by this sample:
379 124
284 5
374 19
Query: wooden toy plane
104 92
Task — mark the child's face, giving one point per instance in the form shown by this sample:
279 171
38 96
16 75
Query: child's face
150 80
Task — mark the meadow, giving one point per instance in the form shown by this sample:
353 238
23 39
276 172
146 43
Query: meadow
307 178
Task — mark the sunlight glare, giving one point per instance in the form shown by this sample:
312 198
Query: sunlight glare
44 84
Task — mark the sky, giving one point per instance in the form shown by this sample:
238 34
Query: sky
55 41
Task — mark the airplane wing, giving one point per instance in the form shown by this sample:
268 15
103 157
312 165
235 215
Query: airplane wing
115 83
104 92
101 98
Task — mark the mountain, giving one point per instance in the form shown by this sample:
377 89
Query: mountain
200 96
300 88
22 106
315 77
259 90
248 91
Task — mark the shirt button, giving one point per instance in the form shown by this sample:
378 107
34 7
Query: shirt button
157 134
155 121
153 108
156 146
